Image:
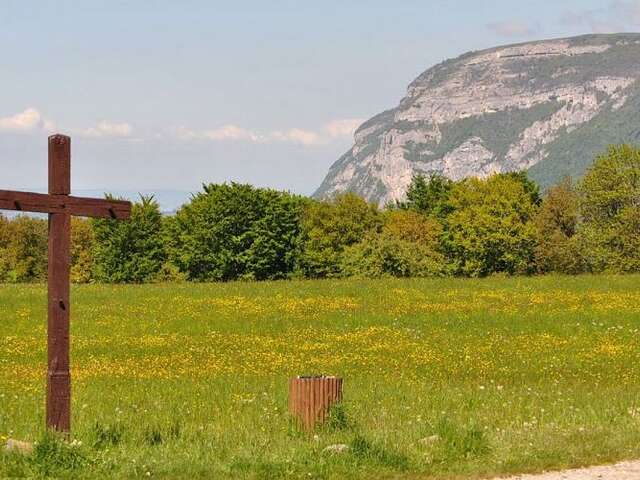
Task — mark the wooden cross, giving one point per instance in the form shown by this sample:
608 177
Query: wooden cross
60 206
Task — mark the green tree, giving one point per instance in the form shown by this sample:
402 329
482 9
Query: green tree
558 246
490 229
130 251
609 205
5 237
429 196
82 246
275 237
407 246
233 231
26 252
170 271
529 186
329 227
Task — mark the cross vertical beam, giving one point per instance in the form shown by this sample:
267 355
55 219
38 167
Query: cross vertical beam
58 376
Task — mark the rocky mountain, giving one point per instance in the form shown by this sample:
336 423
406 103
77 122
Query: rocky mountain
547 107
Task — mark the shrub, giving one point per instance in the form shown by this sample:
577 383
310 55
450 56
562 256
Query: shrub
429 196
610 208
4 249
407 246
490 229
330 227
130 251
237 231
25 254
82 245
558 247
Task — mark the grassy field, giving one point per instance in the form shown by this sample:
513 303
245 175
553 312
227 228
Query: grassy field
443 378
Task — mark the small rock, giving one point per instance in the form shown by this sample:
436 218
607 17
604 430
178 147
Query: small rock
337 448
17 446
430 440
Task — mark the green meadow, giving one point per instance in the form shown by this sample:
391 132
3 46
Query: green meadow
444 378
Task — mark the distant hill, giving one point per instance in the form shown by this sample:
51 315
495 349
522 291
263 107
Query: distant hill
547 107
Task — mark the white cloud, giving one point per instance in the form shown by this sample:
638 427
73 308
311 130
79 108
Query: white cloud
106 129
227 132
183 133
512 28
48 126
31 120
25 121
297 135
231 132
343 128
336 129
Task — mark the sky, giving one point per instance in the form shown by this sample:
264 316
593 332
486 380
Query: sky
167 95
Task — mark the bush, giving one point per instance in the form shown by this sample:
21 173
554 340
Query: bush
237 231
558 245
490 229
330 227
429 196
407 246
4 249
82 245
25 252
610 208
130 251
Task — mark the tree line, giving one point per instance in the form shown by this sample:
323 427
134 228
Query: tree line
473 227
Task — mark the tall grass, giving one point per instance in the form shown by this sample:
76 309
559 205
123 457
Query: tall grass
443 378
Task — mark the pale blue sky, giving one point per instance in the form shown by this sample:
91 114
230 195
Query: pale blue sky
170 94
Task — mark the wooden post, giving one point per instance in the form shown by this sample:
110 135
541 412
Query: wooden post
59 377
310 399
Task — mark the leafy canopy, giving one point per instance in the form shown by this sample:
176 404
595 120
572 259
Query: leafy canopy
233 231
610 208
558 246
130 251
490 229
330 227
407 246
429 196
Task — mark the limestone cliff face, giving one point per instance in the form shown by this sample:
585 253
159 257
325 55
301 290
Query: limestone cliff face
547 107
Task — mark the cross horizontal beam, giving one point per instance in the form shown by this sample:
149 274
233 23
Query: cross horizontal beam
77 206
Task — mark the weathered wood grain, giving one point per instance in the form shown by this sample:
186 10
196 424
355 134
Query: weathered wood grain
57 203
58 375
59 165
311 398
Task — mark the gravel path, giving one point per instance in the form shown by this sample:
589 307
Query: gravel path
619 471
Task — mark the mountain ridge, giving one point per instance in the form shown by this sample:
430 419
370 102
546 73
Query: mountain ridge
547 106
